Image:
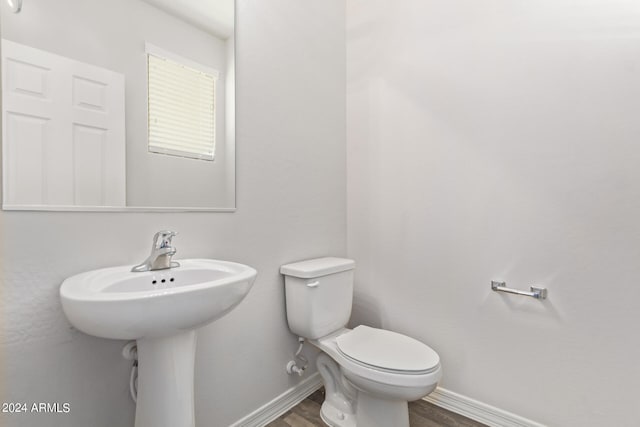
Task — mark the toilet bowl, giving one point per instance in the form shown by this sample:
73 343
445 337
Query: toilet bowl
369 374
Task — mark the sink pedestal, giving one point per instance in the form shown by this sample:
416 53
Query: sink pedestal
165 381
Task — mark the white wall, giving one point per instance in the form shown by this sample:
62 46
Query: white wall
500 140
112 34
291 206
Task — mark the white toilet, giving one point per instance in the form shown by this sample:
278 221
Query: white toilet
369 374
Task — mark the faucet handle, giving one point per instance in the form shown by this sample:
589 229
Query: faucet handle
162 239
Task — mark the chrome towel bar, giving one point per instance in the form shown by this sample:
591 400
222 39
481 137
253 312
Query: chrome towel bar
536 292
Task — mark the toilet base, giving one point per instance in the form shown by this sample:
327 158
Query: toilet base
348 405
372 411
334 417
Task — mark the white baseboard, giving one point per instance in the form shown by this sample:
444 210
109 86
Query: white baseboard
477 411
454 402
281 404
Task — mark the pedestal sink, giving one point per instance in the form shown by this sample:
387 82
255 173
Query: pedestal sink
161 310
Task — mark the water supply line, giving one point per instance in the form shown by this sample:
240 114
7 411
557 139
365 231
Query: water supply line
133 382
292 366
130 352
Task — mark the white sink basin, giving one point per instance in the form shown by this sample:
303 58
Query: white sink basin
116 303
160 310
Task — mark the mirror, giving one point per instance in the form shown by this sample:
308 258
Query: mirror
118 105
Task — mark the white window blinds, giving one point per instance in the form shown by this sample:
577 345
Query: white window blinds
181 108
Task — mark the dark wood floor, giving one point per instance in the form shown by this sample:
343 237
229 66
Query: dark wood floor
421 414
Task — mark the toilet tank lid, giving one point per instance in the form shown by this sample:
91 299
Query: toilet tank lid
317 267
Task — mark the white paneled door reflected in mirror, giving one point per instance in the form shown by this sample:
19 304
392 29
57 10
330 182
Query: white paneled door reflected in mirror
118 105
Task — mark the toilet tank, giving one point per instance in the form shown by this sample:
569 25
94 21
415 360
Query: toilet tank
319 294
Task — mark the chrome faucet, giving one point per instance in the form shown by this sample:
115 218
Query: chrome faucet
161 253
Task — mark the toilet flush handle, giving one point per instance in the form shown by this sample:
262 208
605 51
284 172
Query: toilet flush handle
313 284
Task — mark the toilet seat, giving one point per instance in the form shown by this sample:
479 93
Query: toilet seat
387 351
391 377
